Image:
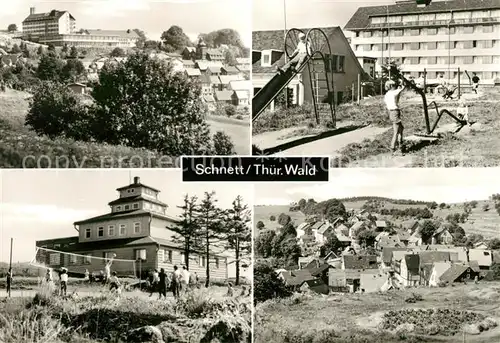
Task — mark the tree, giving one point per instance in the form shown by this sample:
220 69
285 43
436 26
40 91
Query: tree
142 38
267 284
151 44
332 209
229 58
288 230
260 225
428 230
332 244
284 219
142 103
65 48
73 53
50 68
263 243
174 39
433 205
239 233
494 244
209 217
56 111
442 205
12 28
72 70
272 218
188 233
223 145
367 238
486 207
117 52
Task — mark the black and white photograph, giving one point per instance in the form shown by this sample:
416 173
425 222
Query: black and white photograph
123 256
379 255
377 83
123 83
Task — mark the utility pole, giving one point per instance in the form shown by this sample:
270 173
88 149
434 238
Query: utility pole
10 261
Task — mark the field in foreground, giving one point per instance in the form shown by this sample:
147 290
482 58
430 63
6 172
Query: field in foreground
202 315
359 318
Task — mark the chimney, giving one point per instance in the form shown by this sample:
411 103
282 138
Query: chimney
137 180
32 10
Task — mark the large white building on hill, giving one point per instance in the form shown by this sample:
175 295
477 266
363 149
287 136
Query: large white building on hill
440 37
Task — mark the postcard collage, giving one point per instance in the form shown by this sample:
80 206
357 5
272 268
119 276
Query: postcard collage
249 171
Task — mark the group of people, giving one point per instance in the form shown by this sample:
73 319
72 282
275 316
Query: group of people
178 282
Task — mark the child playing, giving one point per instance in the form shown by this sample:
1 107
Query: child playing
463 111
299 55
114 283
64 281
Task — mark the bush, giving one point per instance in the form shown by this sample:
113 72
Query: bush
272 218
230 110
143 103
260 225
223 144
56 111
267 285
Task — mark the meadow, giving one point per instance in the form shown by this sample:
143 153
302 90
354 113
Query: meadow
89 315
437 316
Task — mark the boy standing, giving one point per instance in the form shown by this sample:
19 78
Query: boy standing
64 281
391 100
163 283
176 278
475 82
185 278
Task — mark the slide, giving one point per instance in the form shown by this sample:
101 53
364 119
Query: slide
271 90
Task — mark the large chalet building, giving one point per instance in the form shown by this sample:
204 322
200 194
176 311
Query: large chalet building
59 28
135 229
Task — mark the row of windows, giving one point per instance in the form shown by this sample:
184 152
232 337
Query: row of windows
446 60
436 16
122 230
443 30
135 206
471 44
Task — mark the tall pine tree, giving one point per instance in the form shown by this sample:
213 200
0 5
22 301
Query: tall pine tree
188 232
209 217
238 233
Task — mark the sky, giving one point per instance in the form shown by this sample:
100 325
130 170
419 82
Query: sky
270 14
43 204
151 16
447 185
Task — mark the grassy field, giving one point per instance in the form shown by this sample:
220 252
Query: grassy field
201 315
476 146
358 318
263 213
20 147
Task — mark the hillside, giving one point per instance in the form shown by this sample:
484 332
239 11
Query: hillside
485 223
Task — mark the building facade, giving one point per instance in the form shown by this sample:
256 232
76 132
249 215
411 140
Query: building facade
137 229
47 24
443 37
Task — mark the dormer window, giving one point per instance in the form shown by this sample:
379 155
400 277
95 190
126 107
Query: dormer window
266 59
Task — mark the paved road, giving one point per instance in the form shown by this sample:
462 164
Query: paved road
239 133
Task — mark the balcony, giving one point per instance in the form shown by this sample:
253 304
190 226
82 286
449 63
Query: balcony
427 23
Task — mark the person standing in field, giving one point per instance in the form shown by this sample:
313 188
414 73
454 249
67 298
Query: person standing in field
162 283
475 82
107 269
9 281
391 99
155 279
176 278
64 281
185 279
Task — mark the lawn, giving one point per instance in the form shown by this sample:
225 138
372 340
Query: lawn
263 213
476 146
201 315
357 318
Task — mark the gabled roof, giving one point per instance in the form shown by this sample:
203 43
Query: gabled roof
361 19
360 261
193 72
214 79
410 224
316 285
390 241
381 223
274 40
298 277
403 235
303 226
214 69
190 49
226 79
358 225
454 272
223 95
317 225
240 85
412 263
324 228
434 256
387 253
231 69
241 94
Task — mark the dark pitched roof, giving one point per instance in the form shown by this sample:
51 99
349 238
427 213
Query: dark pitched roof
454 272
231 69
387 253
135 198
298 277
434 256
54 14
319 270
317 285
412 263
360 261
390 241
361 19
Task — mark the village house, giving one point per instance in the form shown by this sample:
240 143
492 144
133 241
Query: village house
433 272
480 245
342 230
442 236
408 270
192 72
78 88
348 278
356 227
229 70
381 225
240 98
483 257
345 68
137 228
457 273
411 226
225 97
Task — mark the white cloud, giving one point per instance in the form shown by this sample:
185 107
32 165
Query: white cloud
113 8
13 212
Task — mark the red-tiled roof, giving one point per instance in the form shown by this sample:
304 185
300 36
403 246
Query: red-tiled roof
361 19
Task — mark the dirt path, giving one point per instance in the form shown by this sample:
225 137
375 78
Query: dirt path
325 146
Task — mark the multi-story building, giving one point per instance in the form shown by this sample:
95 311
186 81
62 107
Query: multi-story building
46 24
138 228
441 37
59 28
